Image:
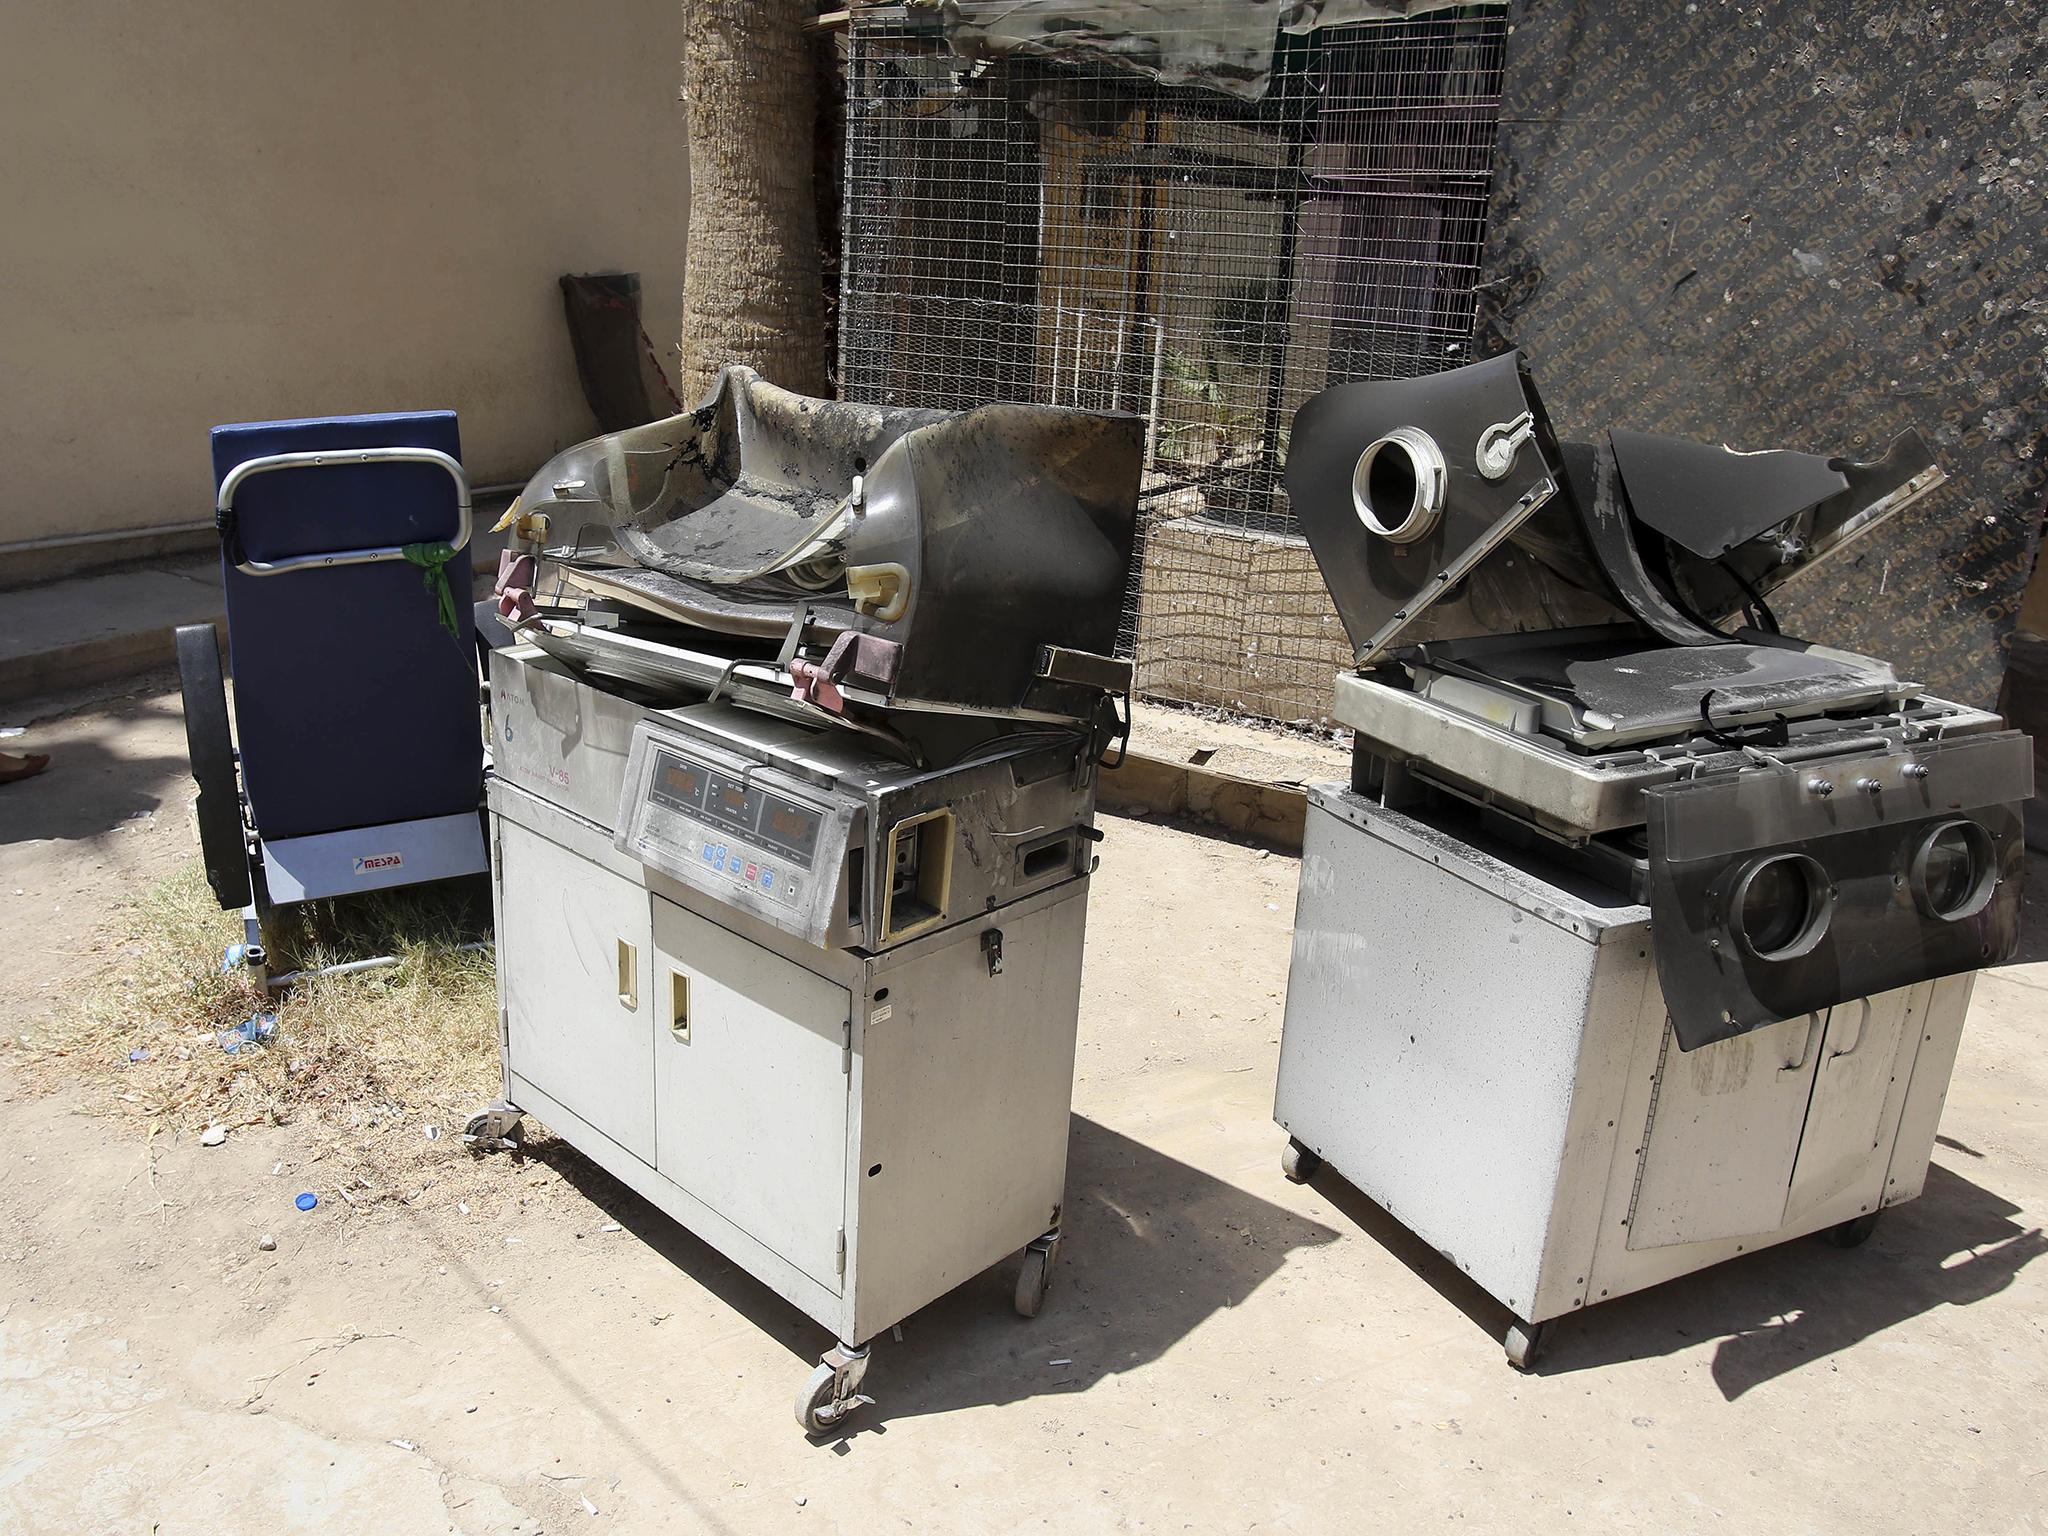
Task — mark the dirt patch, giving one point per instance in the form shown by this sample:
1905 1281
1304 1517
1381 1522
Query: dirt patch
372 1068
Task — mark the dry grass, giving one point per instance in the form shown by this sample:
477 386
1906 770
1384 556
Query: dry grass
359 1063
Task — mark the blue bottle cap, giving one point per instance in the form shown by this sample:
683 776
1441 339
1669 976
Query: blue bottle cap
307 1201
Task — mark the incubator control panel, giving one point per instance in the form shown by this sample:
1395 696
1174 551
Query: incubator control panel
735 831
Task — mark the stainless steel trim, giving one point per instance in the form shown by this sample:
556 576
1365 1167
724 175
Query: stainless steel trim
1458 568
1870 516
332 459
1590 792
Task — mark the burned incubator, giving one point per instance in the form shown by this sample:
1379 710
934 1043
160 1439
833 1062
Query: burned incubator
792 822
1643 933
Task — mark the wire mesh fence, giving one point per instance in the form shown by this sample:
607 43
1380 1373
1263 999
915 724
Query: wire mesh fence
1076 233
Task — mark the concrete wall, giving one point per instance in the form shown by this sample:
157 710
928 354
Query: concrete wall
226 209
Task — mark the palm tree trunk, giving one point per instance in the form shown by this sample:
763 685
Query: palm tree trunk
751 287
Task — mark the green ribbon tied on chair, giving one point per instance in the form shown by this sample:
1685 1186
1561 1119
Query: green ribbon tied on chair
432 559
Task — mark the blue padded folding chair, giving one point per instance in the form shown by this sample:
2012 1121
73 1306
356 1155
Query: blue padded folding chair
361 755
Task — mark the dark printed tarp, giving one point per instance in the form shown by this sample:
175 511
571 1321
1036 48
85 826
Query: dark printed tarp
1223 45
1806 226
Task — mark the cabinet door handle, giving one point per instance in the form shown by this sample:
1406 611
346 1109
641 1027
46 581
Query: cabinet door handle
679 1007
629 976
1814 1022
1862 1030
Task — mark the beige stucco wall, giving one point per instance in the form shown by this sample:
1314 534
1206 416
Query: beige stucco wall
221 210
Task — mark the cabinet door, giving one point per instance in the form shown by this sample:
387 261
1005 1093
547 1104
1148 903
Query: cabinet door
750 1087
1723 1134
575 959
1856 1098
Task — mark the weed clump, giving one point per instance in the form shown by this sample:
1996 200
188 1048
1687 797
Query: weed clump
363 1058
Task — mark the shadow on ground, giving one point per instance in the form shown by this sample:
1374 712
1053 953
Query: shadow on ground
108 764
1152 1248
339 929
1774 1311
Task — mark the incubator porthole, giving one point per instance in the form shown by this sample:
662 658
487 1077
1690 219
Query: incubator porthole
1780 906
1397 486
1953 871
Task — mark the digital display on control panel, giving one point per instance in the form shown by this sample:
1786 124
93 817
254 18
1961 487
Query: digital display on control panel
678 785
732 803
790 828
729 803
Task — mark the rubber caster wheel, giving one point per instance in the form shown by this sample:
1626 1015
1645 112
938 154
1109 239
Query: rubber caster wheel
1034 1278
818 1408
1853 1233
1297 1163
831 1393
492 1131
1523 1344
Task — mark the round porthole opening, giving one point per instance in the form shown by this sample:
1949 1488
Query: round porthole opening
1953 871
1780 906
1397 486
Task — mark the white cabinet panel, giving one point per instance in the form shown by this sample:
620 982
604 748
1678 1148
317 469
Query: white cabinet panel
1856 1097
751 1087
576 963
1723 1134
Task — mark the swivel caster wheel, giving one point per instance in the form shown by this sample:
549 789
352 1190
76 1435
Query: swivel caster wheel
831 1394
1523 1343
1853 1233
497 1126
1297 1163
1034 1275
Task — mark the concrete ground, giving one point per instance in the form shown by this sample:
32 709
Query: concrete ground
1198 736
1222 1350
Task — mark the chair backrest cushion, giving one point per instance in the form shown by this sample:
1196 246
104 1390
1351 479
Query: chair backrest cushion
354 707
